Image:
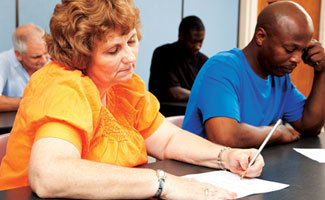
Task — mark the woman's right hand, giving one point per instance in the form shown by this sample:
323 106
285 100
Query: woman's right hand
237 161
187 188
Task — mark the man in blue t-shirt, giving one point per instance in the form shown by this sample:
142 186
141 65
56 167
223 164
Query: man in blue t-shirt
239 94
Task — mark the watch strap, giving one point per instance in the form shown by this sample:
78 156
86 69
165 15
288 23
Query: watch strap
161 175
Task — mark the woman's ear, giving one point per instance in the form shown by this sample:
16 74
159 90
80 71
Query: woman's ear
260 35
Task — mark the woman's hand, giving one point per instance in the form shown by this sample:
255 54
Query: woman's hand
187 188
237 160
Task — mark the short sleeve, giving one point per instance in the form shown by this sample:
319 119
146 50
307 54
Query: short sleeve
149 118
294 106
218 93
3 75
61 131
65 101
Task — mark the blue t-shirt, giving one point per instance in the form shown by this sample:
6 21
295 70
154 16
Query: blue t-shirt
226 86
13 77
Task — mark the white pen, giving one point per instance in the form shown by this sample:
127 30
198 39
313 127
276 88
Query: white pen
263 144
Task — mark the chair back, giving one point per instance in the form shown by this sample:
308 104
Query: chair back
3 145
177 120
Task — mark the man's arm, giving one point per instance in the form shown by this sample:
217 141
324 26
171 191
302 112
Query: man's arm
9 103
178 93
313 117
228 132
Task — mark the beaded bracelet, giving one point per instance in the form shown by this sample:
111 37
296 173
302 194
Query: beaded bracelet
219 156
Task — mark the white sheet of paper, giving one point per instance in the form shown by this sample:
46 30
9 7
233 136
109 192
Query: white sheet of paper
232 182
314 154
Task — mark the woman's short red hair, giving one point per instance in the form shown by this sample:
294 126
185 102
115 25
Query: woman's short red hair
77 25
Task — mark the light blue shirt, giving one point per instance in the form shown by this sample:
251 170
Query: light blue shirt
226 86
13 77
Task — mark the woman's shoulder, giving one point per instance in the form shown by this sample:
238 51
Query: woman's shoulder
54 82
54 74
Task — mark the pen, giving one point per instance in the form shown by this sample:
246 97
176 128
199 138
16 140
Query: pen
262 145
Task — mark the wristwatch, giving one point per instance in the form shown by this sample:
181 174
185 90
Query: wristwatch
161 175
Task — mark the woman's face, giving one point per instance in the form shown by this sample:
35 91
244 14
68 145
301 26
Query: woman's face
113 60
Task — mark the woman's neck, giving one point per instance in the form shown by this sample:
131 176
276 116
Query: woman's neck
103 98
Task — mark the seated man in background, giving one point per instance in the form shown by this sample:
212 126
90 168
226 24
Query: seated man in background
239 94
175 66
19 63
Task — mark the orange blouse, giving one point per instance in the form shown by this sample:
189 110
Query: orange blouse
67 104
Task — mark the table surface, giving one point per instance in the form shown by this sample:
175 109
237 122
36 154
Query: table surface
6 121
306 177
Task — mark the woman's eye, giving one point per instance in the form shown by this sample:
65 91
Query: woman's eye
131 41
112 52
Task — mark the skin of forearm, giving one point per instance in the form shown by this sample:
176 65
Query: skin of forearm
9 103
241 135
178 93
70 177
182 145
314 111
193 149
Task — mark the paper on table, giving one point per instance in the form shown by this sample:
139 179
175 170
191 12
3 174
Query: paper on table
232 182
315 154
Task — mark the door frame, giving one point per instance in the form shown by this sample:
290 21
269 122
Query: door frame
248 17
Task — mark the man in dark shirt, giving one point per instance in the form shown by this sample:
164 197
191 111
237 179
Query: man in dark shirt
175 66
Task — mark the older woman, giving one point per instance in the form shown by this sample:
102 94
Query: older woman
86 118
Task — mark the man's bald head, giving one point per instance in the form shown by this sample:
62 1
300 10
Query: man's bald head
28 33
282 34
284 16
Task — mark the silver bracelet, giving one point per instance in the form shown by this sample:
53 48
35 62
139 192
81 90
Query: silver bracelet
219 157
161 175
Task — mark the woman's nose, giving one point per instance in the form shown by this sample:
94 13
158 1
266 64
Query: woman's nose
129 56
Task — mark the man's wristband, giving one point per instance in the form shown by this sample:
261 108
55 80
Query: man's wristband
161 175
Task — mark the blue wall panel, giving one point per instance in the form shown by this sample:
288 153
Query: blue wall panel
160 19
220 18
7 23
37 12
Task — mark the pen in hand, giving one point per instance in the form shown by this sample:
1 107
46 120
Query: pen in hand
262 146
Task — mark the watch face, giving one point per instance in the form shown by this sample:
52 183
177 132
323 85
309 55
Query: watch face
161 174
